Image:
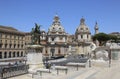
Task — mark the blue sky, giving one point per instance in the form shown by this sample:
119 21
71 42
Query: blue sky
22 14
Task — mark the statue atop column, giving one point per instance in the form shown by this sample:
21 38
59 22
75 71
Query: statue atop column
36 34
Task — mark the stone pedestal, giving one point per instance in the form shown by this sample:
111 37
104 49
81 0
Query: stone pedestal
34 57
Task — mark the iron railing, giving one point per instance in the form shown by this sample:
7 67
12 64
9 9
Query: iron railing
11 71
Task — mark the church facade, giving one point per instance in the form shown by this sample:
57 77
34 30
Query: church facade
56 41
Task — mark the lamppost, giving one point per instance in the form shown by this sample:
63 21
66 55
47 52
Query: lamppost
109 55
89 56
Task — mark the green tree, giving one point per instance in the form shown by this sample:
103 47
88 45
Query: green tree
114 38
102 38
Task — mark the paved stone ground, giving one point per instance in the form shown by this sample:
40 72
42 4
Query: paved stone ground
95 72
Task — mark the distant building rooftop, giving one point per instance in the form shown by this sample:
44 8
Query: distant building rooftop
7 29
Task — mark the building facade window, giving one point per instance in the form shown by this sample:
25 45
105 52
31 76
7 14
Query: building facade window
5 45
14 42
59 51
53 39
5 54
1 41
9 54
0 55
17 54
86 28
21 54
0 45
46 51
0 35
81 29
81 36
13 54
87 36
22 46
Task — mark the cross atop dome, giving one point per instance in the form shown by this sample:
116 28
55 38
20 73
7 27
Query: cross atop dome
56 18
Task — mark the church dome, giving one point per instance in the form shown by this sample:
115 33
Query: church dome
82 28
56 26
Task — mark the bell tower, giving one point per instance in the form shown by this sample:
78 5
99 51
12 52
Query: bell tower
96 28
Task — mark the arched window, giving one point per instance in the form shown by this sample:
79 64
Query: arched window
87 36
5 55
9 54
0 55
53 38
59 28
17 54
59 51
81 36
22 46
5 45
21 54
46 51
13 54
81 28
